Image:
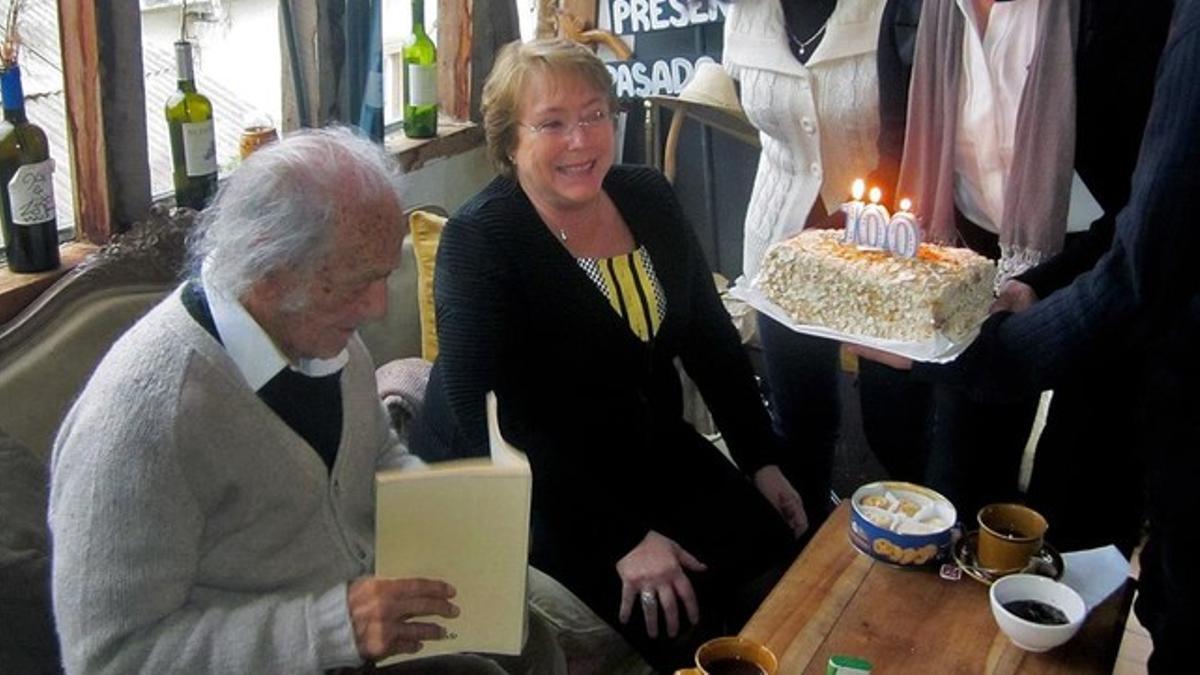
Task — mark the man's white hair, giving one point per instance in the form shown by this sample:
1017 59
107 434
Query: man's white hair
279 208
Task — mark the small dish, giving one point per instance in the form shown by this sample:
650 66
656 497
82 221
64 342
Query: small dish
1046 562
1030 633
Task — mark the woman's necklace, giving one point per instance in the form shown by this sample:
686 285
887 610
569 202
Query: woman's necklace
802 45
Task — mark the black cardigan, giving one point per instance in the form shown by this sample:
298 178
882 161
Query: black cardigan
1116 57
597 411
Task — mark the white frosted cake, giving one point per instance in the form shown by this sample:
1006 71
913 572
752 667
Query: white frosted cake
818 280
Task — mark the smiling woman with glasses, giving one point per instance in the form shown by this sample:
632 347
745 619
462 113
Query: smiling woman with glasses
570 287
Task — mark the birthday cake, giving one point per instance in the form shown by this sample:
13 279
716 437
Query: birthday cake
819 280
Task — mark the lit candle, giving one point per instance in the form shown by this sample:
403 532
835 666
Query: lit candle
873 222
904 231
853 210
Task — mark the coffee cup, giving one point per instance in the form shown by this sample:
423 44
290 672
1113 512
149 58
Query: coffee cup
732 656
1009 536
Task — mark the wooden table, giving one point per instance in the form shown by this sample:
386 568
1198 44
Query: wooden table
836 600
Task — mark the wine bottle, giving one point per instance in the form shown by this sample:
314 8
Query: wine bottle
193 142
28 223
420 79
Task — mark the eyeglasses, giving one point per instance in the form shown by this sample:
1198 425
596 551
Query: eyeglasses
560 128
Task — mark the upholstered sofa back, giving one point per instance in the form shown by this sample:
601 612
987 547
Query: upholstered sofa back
48 352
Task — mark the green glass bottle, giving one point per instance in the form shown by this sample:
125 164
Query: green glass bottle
193 141
420 79
28 224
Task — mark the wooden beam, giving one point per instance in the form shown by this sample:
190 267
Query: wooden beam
319 51
470 32
79 36
454 57
105 93
495 25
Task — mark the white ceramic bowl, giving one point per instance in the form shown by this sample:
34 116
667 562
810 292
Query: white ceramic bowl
1027 635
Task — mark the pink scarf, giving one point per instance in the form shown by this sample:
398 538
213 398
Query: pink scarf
1039 184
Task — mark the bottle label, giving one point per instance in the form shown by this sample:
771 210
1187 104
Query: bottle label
199 148
31 193
422 84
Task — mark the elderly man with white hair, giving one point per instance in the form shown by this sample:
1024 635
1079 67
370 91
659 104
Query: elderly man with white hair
212 499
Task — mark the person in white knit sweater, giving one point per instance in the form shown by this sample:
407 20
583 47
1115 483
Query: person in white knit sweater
808 80
212 495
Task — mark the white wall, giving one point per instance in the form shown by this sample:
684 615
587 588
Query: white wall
450 181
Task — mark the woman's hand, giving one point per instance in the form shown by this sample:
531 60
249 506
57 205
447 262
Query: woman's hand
1015 296
771 482
653 574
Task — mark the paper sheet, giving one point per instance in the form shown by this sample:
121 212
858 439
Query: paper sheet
1095 573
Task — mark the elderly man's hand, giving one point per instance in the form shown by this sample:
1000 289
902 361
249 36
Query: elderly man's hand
1015 296
652 574
381 613
778 490
879 356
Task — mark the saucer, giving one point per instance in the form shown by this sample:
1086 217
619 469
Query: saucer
1046 562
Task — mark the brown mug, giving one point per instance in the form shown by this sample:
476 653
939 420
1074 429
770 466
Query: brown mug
1009 536
732 656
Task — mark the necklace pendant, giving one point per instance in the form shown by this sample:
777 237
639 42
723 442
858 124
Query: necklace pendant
562 235
802 50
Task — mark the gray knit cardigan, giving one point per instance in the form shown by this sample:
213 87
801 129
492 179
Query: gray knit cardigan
193 530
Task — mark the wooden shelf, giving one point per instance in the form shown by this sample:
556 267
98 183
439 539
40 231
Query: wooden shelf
18 290
453 138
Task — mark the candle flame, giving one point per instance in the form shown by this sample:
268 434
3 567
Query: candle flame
905 204
858 189
876 195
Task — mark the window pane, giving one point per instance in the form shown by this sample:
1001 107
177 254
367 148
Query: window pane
45 101
238 66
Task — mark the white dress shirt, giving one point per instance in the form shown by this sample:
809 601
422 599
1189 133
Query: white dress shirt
256 355
995 67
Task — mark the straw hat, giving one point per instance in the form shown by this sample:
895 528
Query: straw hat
710 86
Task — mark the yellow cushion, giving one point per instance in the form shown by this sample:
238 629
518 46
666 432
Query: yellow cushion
426 231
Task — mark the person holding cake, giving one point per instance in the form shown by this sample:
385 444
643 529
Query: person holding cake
569 286
808 83
1010 140
1141 299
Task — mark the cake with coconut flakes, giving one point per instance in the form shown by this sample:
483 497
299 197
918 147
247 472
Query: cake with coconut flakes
821 281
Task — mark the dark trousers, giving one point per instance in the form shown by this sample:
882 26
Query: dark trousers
1169 586
897 415
965 447
1090 446
975 456
717 515
802 379
1168 593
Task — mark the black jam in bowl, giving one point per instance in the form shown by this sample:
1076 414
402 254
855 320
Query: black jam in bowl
1037 612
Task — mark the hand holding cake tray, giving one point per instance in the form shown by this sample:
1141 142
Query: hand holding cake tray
875 284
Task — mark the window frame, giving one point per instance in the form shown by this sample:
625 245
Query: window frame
104 87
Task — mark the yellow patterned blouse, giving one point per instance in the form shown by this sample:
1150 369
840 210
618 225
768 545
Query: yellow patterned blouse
632 288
